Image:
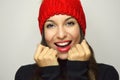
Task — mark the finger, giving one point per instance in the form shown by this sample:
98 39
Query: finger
47 54
51 52
51 55
85 47
38 50
69 54
73 54
54 53
80 50
74 50
44 52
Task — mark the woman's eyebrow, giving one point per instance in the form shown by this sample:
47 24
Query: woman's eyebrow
69 18
65 19
50 21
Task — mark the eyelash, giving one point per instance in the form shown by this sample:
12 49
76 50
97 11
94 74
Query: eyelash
49 25
71 23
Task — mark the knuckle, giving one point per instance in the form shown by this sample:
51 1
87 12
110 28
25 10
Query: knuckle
40 58
55 51
44 58
78 45
47 48
82 54
88 52
73 56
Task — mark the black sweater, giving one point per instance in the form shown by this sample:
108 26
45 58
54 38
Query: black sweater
68 70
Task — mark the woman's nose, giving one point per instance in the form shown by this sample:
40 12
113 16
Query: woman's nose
61 33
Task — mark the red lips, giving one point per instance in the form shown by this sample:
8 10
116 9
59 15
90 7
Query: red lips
63 46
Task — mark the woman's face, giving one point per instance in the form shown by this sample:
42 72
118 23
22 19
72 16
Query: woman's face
61 33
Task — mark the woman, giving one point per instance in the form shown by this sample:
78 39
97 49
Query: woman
64 54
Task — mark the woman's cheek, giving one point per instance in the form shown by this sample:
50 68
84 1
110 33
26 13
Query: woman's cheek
49 34
49 37
75 34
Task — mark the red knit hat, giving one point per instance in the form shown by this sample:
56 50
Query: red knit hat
72 8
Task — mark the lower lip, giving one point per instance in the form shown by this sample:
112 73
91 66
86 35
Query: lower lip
63 49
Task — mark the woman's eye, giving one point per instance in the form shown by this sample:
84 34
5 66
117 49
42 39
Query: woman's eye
70 23
50 26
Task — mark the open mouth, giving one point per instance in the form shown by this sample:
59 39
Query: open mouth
63 44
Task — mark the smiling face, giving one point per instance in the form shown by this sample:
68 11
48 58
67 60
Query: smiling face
61 33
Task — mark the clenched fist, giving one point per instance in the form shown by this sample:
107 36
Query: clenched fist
79 52
44 56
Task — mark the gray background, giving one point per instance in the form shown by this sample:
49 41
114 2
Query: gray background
19 32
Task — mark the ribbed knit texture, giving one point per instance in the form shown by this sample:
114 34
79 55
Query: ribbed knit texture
72 8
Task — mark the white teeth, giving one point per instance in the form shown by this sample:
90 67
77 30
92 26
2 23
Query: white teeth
63 44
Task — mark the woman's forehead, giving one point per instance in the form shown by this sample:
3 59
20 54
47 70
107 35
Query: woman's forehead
60 17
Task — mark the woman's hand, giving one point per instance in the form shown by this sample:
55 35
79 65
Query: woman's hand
79 52
44 56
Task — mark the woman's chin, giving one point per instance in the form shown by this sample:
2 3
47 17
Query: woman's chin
62 56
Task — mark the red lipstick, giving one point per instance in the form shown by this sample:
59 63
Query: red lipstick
64 49
63 46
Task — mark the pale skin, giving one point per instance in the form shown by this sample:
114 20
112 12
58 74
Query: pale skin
60 28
